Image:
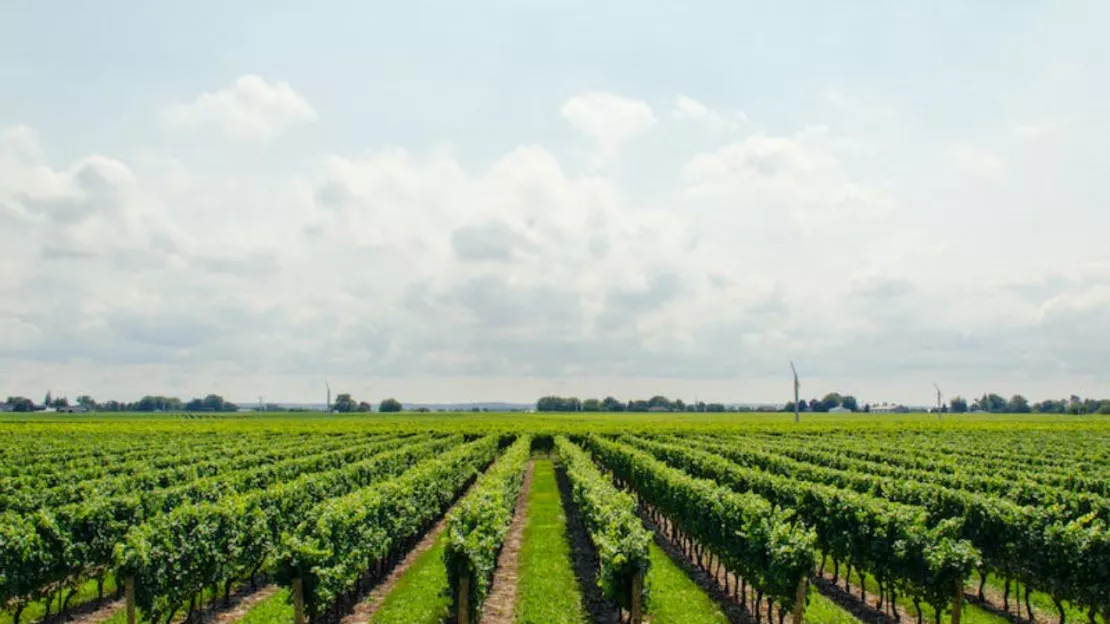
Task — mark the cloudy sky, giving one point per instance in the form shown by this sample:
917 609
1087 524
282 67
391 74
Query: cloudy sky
497 200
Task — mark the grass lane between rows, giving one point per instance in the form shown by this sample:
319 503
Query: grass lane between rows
548 591
277 609
420 596
675 597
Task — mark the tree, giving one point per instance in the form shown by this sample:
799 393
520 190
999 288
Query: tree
679 405
1018 405
992 403
638 405
390 405
48 400
1051 406
659 401
849 402
154 403
86 402
959 404
830 401
21 404
363 406
547 404
611 404
591 405
1076 406
715 407
344 403
558 404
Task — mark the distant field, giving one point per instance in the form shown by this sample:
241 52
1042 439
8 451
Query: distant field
907 510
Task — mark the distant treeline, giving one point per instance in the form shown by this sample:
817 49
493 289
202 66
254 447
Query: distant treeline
149 403
656 403
992 403
1018 404
155 403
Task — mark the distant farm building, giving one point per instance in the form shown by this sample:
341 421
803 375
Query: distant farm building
840 409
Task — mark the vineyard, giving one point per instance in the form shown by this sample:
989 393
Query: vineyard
549 518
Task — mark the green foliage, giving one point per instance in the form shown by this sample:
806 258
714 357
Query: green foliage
476 529
1031 493
339 539
390 405
763 543
894 542
20 404
610 517
344 403
177 554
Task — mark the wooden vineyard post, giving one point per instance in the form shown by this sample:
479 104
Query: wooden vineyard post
957 603
298 601
637 595
800 600
464 599
129 596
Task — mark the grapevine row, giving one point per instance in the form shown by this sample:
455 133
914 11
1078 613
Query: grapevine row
892 541
765 545
177 555
477 527
614 528
339 541
47 550
1041 547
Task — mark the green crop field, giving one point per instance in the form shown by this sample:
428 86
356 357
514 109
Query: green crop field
679 517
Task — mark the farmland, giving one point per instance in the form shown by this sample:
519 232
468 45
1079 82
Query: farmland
551 517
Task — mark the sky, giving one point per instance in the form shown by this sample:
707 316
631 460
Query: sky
486 201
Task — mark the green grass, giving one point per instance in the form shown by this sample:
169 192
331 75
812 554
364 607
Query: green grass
86 592
675 598
421 595
1042 602
970 614
821 610
276 609
548 591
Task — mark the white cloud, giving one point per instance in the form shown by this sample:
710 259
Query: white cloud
689 109
410 268
1037 130
250 109
608 120
978 162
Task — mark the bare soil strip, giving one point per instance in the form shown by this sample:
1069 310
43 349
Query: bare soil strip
103 611
501 602
584 557
216 610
